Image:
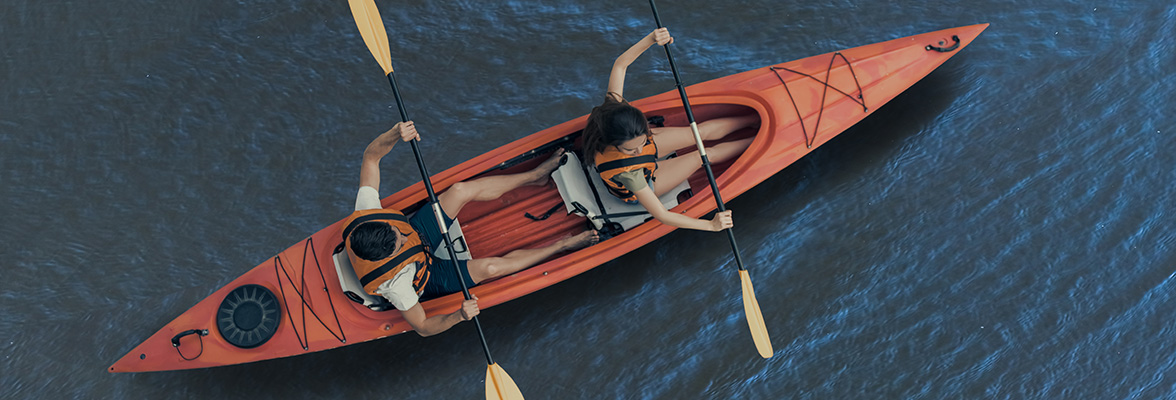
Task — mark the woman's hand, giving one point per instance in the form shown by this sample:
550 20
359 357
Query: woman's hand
722 221
662 37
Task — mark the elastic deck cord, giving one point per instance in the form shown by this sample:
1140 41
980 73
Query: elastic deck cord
809 140
303 337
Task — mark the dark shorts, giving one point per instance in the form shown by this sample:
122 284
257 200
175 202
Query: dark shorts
443 278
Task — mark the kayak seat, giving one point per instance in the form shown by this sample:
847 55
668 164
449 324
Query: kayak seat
351 287
349 281
584 193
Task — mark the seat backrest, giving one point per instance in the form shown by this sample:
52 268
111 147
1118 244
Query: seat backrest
577 193
351 286
584 193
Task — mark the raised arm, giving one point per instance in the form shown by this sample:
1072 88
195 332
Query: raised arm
616 80
658 210
369 171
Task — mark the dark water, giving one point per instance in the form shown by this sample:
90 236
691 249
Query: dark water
1002 230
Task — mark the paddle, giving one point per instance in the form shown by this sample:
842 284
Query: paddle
755 319
499 385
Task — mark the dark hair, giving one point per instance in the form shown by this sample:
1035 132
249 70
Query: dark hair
612 123
373 241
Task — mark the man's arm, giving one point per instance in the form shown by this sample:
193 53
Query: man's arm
369 171
429 326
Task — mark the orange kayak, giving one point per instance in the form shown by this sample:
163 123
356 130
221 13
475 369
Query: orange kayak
294 303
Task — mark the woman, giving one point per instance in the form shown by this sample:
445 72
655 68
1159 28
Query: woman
625 149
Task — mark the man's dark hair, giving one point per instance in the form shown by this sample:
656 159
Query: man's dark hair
373 241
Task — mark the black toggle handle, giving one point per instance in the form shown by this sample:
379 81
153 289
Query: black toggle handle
176 339
945 49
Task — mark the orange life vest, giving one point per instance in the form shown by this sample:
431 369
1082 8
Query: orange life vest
612 162
373 273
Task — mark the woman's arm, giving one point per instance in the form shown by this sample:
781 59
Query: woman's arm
655 207
616 80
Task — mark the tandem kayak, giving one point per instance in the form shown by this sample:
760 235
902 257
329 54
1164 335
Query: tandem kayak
298 301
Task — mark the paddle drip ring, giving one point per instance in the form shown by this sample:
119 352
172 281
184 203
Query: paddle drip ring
248 316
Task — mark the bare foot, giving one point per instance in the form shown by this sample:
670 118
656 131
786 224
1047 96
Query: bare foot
544 170
582 240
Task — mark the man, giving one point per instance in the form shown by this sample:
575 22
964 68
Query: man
388 249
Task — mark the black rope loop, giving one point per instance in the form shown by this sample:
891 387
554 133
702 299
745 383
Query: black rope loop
200 334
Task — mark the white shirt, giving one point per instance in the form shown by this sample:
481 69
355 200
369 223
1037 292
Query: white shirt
398 290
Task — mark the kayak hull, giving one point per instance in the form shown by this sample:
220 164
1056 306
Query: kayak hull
802 104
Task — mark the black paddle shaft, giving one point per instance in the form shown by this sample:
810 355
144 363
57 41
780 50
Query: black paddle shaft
416 151
710 174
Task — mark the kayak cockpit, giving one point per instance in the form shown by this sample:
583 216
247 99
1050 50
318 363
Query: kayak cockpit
499 226
535 216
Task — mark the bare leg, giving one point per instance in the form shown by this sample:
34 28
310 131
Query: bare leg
672 138
493 267
725 151
719 128
493 187
676 170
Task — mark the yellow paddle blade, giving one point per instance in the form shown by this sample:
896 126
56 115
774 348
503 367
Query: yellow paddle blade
755 319
499 386
371 27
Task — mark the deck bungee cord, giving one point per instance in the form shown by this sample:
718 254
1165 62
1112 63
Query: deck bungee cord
304 336
808 141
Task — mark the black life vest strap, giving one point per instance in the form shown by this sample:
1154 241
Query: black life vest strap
588 172
625 162
623 192
388 266
371 217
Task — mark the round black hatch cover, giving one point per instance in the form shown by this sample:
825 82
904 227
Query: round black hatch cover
248 316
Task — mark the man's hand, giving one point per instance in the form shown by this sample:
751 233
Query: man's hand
369 171
406 130
469 309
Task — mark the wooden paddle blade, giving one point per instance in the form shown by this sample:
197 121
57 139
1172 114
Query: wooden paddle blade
755 319
499 386
371 27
